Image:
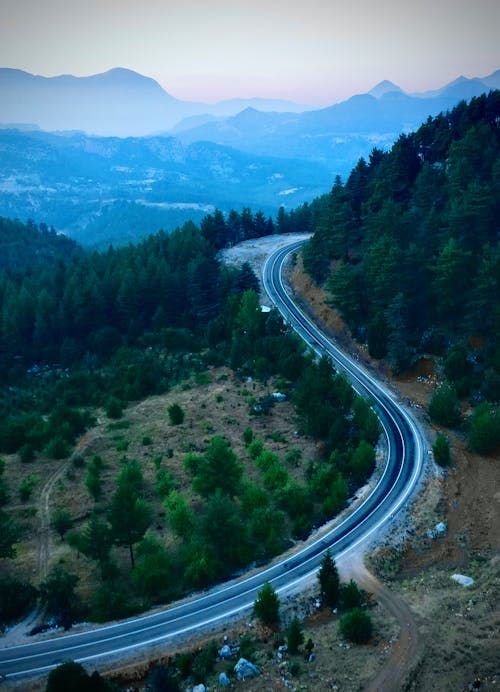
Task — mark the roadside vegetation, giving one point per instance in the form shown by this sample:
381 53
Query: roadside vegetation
408 251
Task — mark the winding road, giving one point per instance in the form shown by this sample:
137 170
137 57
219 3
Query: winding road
401 473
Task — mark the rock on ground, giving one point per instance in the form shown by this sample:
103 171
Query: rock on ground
245 669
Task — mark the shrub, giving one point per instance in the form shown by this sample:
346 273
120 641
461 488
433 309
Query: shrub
58 595
67 676
356 625
441 450
78 461
266 459
26 488
58 448
351 596
255 448
247 436
26 453
114 408
267 604
247 647
444 406
161 679
110 603
293 457
93 479
164 482
175 414
484 430
294 636
122 445
61 522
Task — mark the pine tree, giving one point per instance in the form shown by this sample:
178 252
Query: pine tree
329 581
294 636
267 605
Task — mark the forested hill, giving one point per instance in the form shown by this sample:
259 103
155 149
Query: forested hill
408 246
24 248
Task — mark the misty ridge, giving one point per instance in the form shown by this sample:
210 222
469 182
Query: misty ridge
113 157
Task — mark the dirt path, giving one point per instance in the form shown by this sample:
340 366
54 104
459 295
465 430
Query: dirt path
405 650
43 507
43 550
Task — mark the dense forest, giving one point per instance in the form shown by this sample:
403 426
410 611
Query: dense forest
408 250
82 331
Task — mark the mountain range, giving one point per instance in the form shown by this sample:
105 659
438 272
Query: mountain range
112 188
123 103
119 102
327 135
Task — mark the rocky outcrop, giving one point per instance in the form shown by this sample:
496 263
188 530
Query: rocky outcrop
224 681
245 669
225 652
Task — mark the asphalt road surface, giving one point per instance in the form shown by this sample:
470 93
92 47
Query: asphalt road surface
398 480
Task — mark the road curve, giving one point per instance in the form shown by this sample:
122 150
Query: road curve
400 475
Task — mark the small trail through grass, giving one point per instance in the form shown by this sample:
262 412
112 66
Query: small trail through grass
43 548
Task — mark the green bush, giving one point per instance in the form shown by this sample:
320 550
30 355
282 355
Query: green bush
484 429
295 669
248 436
27 486
293 457
122 445
356 626
444 406
267 605
114 408
57 448
175 414
61 522
441 451
351 596
294 636
255 448
110 603
164 482
26 453
247 647
78 461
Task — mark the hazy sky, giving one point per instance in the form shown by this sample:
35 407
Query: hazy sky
314 51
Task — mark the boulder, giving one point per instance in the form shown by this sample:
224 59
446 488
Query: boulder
245 669
225 652
224 681
200 688
462 579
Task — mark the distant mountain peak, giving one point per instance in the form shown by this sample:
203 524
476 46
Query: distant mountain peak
384 87
459 80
